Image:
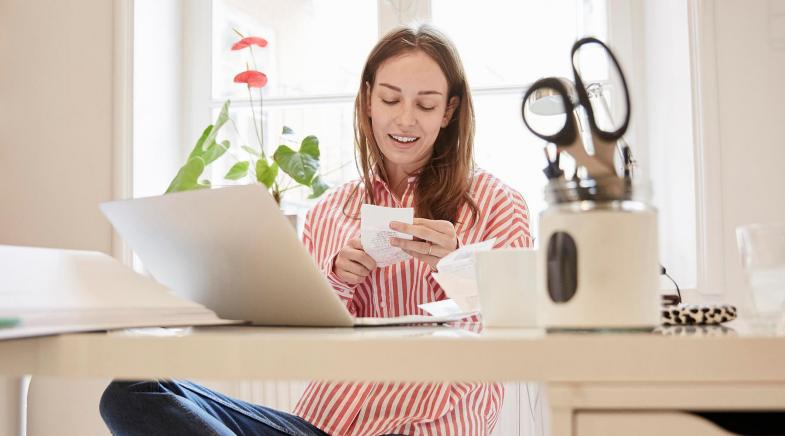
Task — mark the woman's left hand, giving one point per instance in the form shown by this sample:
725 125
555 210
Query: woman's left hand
434 239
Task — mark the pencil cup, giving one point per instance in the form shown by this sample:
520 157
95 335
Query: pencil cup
599 266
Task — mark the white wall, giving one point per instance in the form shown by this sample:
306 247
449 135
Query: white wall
750 67
56 84
55 122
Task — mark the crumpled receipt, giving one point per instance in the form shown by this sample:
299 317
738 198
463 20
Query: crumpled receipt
375 232
458 276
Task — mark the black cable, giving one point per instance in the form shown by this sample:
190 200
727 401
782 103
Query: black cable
664 272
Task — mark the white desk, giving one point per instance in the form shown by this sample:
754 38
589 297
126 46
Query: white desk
583 372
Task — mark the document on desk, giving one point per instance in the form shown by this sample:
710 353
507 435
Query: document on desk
458 277
54 291
375 232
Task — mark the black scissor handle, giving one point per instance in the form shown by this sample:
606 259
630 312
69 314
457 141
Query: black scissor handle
583 95
567 134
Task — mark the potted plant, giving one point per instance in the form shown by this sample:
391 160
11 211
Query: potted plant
299 166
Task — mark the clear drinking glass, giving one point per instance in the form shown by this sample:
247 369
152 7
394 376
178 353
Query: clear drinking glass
762 250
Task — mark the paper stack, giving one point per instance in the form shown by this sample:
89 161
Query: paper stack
458 277
57 291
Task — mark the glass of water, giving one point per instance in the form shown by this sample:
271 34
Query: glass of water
762 250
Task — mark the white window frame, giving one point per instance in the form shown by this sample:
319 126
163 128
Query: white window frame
122 116
625 18
708 159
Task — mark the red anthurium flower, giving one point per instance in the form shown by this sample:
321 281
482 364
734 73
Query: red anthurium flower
249 41
254 79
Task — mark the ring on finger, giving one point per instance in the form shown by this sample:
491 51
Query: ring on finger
430 246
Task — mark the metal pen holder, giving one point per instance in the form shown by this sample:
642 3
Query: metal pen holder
605 189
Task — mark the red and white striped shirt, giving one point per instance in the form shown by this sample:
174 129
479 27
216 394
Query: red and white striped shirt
352 408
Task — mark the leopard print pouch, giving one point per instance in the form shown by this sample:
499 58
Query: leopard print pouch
697 314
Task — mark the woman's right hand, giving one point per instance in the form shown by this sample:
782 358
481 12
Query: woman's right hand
353 264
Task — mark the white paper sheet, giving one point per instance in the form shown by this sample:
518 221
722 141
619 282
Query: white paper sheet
60 291
438 312
375 232
442 308
458 277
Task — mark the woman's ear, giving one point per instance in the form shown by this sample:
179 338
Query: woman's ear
451 106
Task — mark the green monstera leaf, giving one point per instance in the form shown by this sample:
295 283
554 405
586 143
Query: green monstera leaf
214 151
238 171
188 176
204 152
198 149
310 146
318 187
223 117
302 167
266 173
206 143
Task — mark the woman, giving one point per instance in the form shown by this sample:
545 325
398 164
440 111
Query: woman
414 127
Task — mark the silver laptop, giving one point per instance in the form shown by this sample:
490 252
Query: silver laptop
232 250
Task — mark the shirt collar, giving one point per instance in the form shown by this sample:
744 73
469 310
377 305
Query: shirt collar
376 179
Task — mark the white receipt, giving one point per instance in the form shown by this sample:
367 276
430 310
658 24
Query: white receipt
457 275
442 308
375 232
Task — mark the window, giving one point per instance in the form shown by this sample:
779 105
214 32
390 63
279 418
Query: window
499 76
317 49
313 62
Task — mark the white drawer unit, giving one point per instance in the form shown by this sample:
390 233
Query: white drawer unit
642 423
649 409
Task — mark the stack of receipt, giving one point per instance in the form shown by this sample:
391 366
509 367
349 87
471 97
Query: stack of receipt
456 271
458 277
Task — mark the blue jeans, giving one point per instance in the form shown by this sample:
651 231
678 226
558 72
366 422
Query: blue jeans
173 407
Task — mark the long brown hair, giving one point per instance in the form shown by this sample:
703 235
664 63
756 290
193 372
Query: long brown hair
443 183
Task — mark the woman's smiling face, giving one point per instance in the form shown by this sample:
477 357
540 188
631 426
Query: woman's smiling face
408 108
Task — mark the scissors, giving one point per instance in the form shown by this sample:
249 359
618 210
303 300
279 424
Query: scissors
568 138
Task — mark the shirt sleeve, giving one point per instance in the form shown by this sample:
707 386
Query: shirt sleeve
508 220
344 290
